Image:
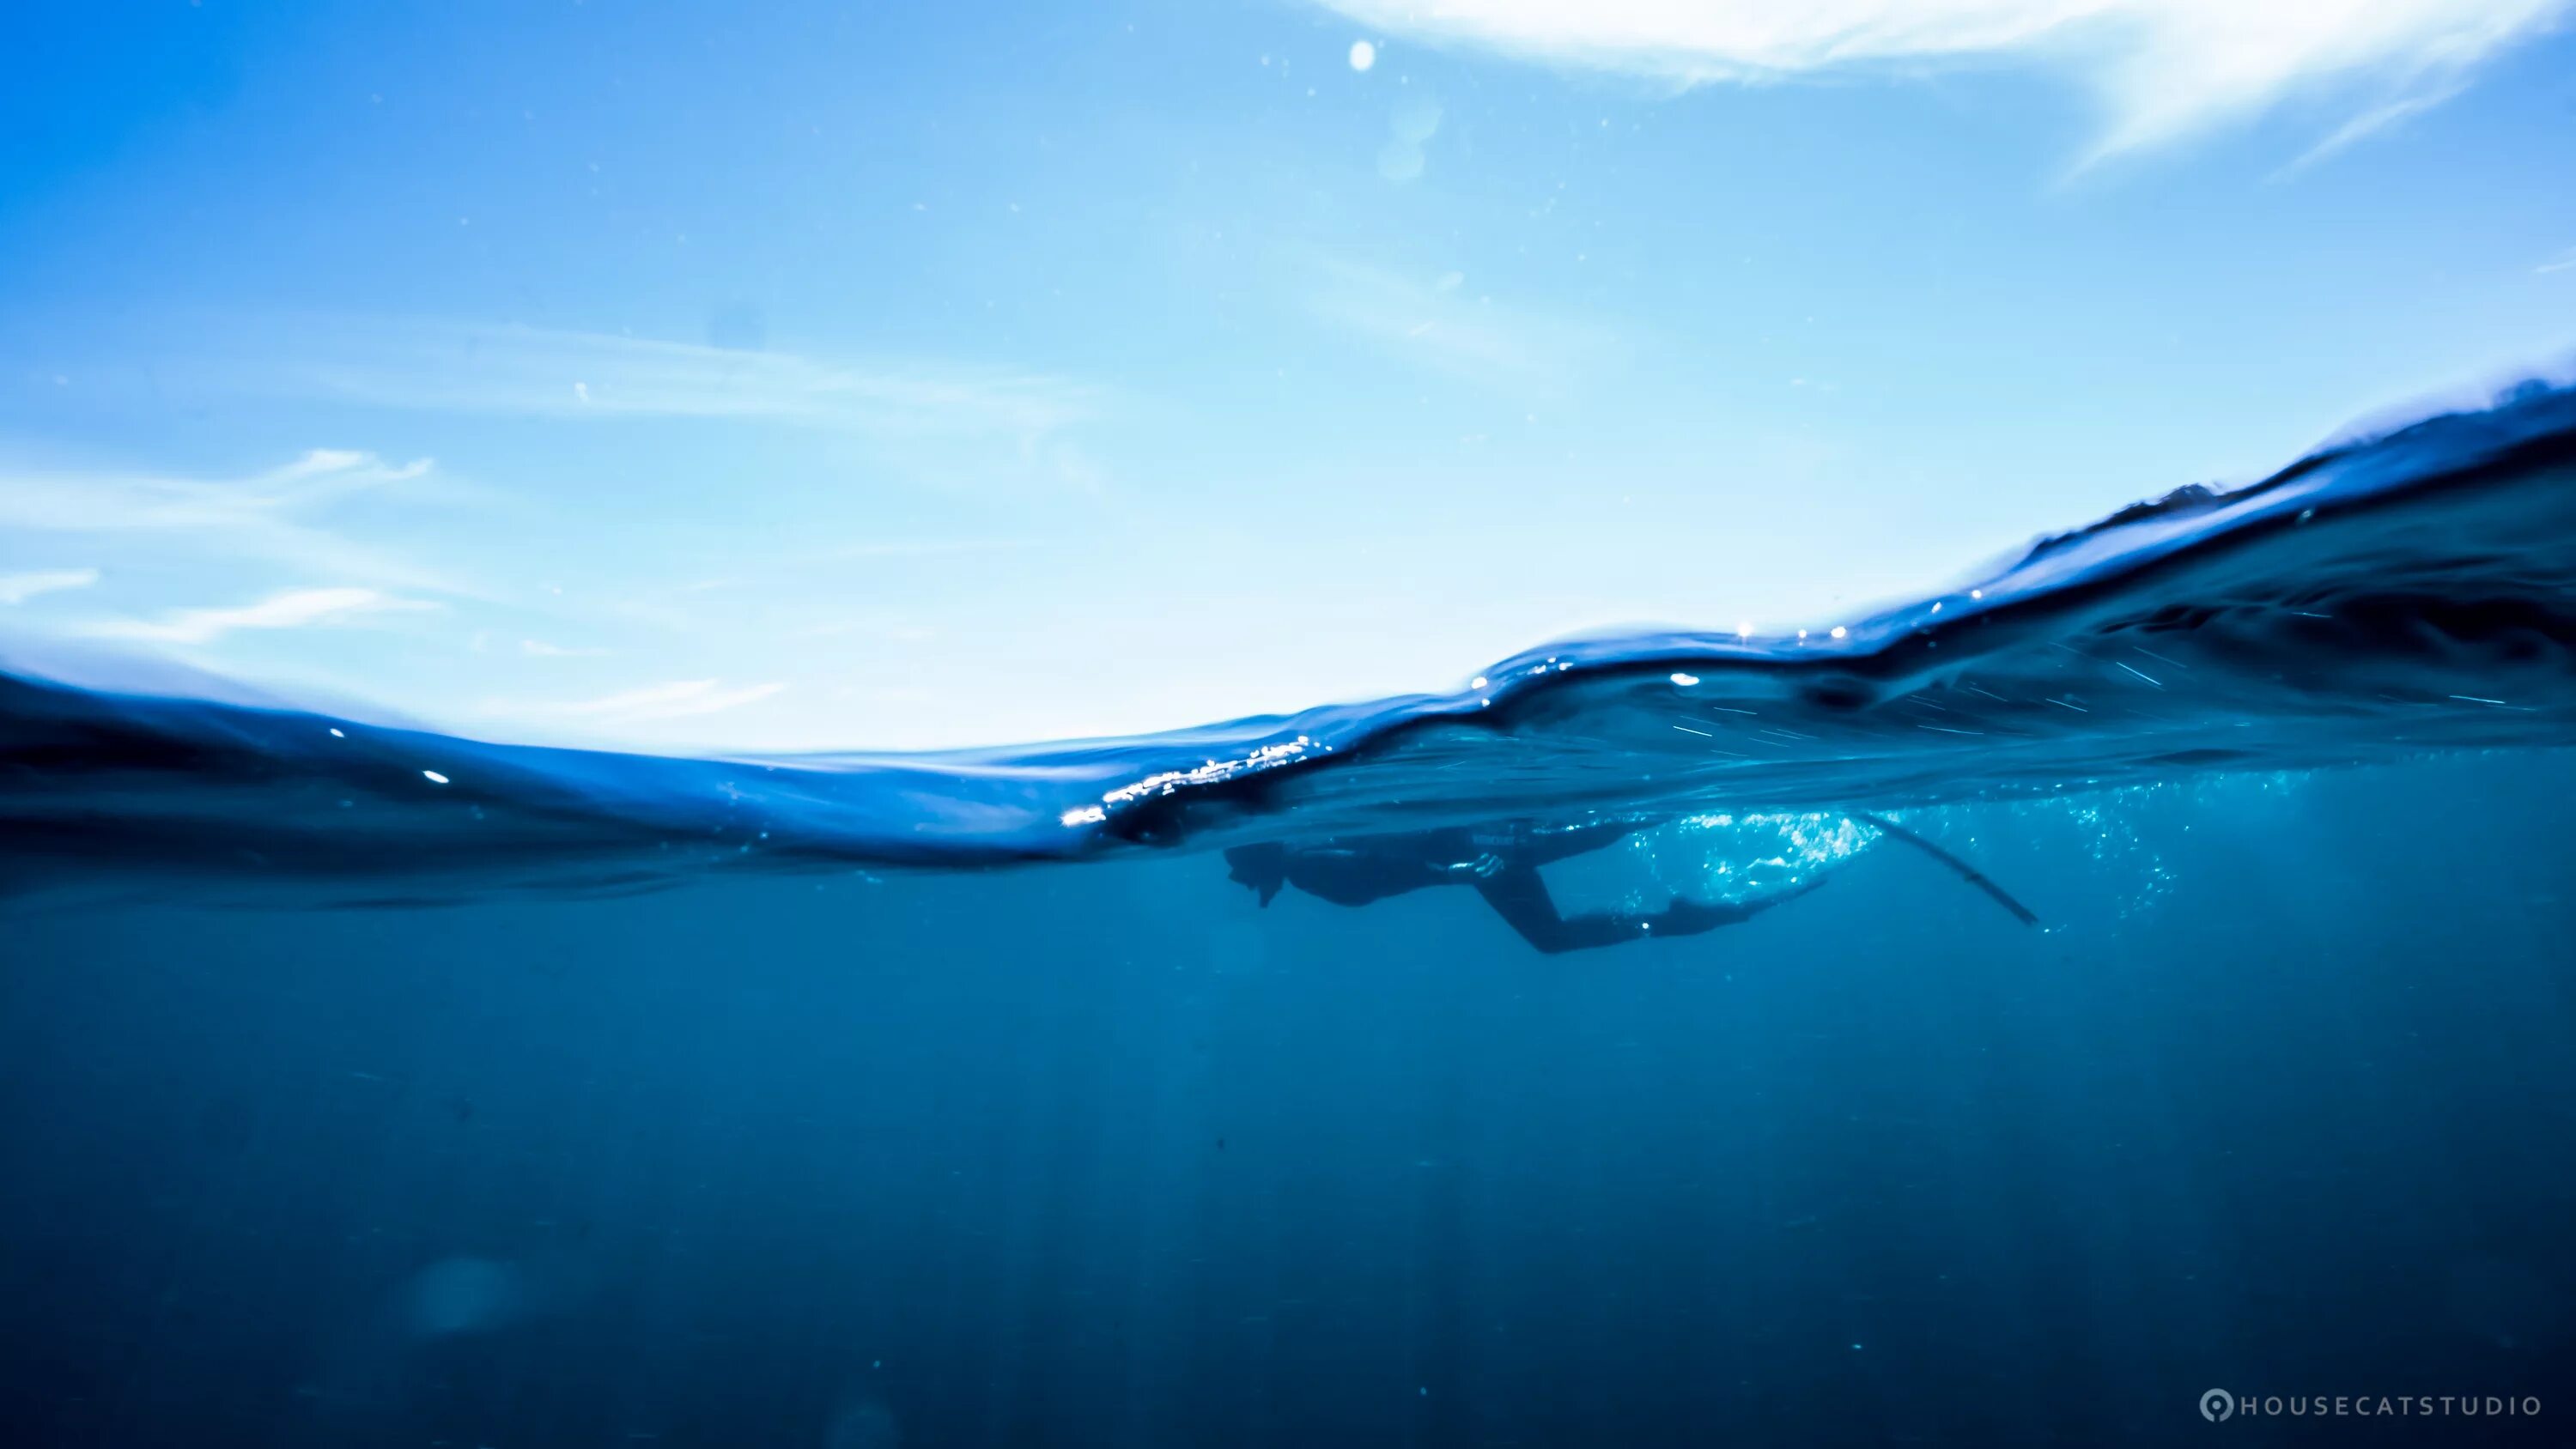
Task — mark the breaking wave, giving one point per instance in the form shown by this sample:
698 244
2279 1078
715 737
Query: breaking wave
2406 592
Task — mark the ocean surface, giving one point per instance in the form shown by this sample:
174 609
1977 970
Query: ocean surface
365 1085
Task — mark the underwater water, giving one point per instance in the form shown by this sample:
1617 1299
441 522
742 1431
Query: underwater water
365 1085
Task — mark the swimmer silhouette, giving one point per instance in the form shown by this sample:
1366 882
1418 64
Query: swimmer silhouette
1502 862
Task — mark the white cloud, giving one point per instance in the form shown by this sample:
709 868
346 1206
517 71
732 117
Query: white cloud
112 502
2161 69
264 516
2559 263
19 588
541 372
293 609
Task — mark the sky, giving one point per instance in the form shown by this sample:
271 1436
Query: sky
807 376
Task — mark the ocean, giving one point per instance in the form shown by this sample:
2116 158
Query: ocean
365 1085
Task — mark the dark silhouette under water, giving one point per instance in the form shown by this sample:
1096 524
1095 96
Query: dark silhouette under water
1501 862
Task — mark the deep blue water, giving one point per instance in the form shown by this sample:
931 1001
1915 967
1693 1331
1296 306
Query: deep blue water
574 1099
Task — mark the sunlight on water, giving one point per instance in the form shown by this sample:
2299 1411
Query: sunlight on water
1737 858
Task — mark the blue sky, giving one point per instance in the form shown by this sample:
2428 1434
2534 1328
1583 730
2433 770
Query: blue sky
819 376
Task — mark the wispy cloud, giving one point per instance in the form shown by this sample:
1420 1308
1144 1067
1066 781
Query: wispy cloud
2559 263
267 516
2381 117
293 609
540 649
2161 69
680 699
19 588
926 547
570 375
1443 323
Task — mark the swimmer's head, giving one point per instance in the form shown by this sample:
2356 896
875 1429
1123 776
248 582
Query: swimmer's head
1263 867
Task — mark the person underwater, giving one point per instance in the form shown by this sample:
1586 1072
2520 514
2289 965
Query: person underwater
1500 862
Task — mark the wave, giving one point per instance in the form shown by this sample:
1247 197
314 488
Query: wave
2410 591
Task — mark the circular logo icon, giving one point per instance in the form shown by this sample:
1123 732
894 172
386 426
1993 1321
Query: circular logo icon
2218 1406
